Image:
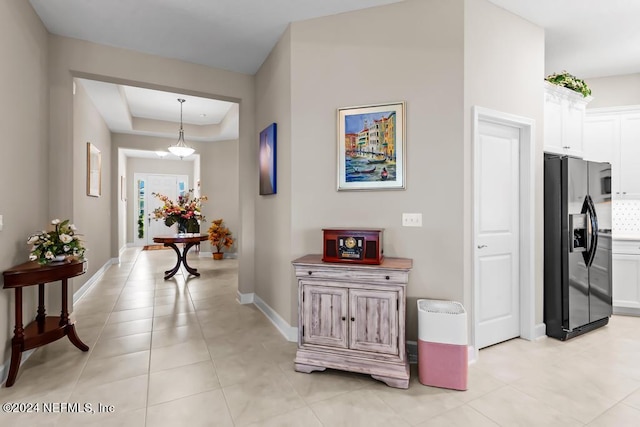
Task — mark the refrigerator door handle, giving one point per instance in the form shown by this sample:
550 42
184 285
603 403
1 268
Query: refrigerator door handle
593 218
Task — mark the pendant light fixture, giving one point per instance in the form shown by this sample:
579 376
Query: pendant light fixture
181 149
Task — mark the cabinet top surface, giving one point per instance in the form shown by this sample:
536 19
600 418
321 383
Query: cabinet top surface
388 263
32 273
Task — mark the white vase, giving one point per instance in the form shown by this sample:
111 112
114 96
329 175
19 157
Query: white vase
59 258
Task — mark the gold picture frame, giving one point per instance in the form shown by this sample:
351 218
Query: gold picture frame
94 171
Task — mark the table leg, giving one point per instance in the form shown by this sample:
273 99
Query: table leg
170 273
17 342
70 330
41 310
75 340
64 314
190 269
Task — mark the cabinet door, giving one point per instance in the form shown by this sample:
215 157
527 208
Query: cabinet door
573 121
324 315
626 280
601 135
629 156
374 320
553 124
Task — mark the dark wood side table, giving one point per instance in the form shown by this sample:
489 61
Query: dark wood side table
189 239
44 329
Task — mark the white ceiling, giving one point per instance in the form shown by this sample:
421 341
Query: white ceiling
140 111
234 35
588 38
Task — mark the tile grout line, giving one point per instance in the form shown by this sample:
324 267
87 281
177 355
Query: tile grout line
90 352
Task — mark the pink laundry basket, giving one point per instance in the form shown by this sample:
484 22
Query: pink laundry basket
442 344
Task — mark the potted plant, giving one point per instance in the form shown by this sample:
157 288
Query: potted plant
220 237
569 81
57 244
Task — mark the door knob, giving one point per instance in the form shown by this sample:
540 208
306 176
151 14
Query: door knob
482 246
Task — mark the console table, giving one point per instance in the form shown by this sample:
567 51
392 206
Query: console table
189 239
44 329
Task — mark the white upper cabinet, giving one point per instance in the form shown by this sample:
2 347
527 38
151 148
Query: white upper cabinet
564 112
613 135
600 134
629 157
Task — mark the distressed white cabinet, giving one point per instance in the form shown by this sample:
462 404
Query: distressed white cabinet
564 112
615 132
352 317
626 277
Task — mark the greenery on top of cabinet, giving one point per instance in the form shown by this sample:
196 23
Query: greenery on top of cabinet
569 81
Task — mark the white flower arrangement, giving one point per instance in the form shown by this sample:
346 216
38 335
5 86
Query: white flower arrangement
569 81
62 240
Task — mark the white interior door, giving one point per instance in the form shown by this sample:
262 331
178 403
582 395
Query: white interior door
163 184
497 235
170 186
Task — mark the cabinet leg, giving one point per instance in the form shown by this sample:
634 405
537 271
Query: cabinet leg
75 340
307 369
392 382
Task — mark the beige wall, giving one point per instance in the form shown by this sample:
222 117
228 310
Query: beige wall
441 58
75 58
24 170
219 165
614 91
273 212
92 215
503 71
415 54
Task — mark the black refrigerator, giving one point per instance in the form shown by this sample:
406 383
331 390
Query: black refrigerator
577 252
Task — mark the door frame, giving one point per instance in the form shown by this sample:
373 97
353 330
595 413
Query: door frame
527 217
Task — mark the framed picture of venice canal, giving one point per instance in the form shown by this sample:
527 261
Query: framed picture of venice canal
371 147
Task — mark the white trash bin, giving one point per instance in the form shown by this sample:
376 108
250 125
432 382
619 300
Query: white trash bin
442 344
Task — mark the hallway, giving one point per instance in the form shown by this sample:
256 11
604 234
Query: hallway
184 352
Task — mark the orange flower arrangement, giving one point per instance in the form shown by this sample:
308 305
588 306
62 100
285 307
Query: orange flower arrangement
220 236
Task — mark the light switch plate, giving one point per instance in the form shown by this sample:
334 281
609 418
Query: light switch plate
412 220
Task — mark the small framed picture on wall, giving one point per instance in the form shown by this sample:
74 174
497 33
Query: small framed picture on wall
268 182
94 172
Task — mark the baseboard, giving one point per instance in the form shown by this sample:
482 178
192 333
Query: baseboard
472 355
539 331
226 255
288 331
245 298
77 295
412 353
626 311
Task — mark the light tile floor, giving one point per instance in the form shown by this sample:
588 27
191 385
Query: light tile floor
183 352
